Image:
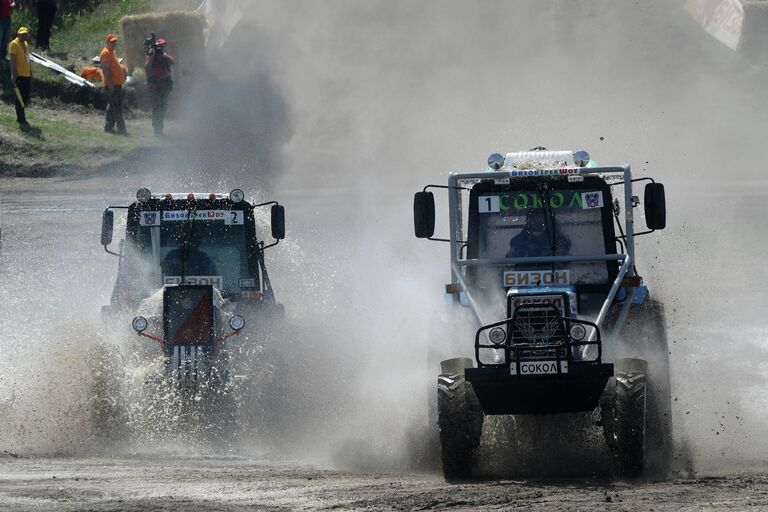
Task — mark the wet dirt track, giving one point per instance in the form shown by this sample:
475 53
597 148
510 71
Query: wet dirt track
208 484
70 210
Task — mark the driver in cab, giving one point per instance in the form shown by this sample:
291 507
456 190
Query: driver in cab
190 259
539 237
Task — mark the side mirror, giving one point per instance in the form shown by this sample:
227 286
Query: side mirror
107 226
424 214
655 206
278 222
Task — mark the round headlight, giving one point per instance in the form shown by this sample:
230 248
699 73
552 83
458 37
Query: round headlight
581 158
578 332
236 195
143 194
237 322
496 161
497 335
139 324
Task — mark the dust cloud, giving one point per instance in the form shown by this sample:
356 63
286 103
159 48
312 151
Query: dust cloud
342 109
385 97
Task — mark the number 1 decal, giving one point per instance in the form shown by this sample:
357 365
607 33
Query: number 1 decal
488 204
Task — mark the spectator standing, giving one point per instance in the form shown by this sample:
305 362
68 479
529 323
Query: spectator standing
158 70
113 77
6 9
46 12
21 73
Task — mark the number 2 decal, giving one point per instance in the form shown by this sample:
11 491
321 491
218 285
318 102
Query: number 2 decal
233 218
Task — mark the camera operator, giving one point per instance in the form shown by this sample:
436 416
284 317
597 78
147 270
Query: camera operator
158 69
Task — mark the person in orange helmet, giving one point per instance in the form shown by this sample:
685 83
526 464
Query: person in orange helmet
113 78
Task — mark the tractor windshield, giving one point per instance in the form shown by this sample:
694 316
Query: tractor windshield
544 220
198 247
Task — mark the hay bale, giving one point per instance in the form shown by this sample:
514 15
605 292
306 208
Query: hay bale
183 31
175 5
754 32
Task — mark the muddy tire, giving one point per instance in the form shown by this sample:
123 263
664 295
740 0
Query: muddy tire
460 423
646 329
625 429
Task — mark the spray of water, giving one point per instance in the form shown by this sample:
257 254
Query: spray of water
385 98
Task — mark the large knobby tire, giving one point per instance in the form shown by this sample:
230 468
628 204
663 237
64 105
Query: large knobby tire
647 332
460 424
629 417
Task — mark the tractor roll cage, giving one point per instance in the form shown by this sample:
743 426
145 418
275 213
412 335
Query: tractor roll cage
456 183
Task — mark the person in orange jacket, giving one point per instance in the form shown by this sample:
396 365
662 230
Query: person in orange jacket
113 78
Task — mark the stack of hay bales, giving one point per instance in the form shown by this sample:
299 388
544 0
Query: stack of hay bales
184 32
754 32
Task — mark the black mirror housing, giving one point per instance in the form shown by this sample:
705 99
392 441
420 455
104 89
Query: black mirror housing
655 205
278 221
107 226
424 214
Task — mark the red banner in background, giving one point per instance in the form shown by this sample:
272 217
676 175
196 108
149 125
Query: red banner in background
720 18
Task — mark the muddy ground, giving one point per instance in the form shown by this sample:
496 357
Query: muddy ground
233 483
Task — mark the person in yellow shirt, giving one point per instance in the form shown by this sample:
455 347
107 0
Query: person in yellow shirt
113 78
21 73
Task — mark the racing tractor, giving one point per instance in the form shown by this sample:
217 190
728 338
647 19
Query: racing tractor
544 258
192 274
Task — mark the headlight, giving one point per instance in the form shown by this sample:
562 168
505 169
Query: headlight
496 161
497 335
581 158
143 194
578 332
236 195
139 324
237 322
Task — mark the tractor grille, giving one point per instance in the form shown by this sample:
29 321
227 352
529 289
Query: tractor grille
187 362
538 324
188 315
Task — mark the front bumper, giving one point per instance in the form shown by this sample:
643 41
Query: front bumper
579 390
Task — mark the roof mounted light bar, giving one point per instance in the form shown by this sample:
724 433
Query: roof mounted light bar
538 159
144 194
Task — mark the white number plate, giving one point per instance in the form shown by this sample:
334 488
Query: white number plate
538 367
216 281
